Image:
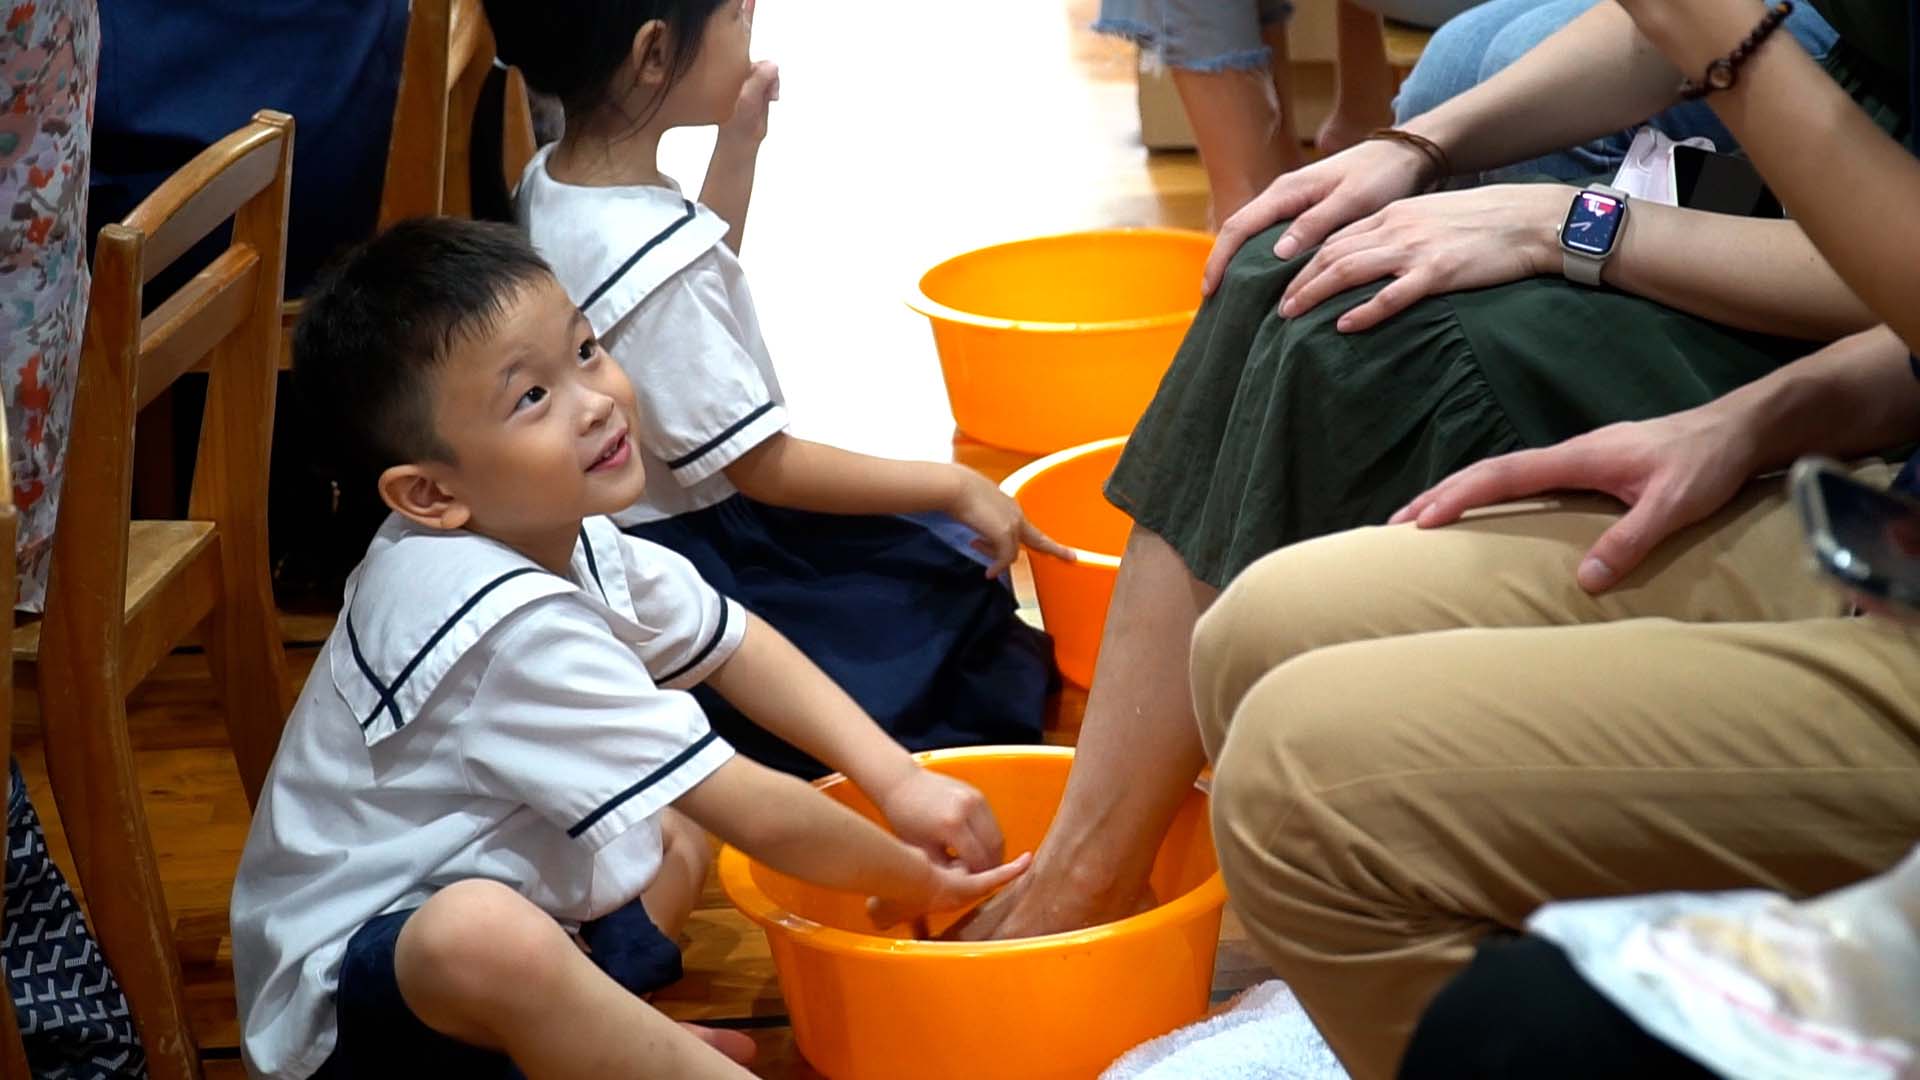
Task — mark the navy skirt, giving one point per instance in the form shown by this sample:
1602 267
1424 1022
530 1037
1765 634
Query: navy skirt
905 622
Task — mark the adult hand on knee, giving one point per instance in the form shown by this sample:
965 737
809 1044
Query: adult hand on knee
1432 245
1319 199
1672 472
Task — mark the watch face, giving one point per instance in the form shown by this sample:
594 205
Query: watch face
1592 223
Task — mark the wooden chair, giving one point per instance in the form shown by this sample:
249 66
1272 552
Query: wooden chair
13 1053
450 49
123 593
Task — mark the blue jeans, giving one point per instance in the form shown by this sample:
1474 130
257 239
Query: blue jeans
1474 45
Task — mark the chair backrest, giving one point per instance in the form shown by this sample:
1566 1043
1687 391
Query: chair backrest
450 51
229 316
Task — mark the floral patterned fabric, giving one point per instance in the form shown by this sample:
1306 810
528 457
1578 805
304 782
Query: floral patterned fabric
49 54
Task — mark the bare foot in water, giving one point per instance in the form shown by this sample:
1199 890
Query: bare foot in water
1030 907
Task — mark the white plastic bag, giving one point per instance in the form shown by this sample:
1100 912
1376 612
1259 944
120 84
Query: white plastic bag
1753 985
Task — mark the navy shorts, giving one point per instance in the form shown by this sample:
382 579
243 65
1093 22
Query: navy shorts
378 1035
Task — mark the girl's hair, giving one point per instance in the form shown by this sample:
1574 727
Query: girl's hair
570 50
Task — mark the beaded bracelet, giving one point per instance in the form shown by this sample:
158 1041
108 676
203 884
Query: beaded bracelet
1442 167
1721 74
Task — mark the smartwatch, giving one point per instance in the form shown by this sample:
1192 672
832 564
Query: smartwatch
1591 232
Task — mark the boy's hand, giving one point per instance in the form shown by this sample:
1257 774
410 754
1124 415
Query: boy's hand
951 887
946 818
748 124
984 508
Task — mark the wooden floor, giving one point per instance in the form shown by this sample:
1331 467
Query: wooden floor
985 122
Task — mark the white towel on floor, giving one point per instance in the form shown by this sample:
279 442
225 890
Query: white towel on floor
1266 1036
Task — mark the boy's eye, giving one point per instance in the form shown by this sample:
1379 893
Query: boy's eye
534 396
588 348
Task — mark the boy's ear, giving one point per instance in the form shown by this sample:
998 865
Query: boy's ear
651 64
415 492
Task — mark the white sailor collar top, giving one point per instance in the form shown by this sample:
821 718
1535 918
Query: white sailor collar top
413 609
627 241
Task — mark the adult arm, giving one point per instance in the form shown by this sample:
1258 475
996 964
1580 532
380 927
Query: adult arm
1850 186
1748 273
1597 75
1853 397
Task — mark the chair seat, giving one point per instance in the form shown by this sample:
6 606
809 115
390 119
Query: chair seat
177 561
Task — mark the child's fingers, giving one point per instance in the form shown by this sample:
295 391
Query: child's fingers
986 827
978 843
1001 551
958 888
886 913
986 881
1045 544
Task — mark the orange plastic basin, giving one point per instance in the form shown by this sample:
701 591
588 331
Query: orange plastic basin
1056 341
868 1006
1061 495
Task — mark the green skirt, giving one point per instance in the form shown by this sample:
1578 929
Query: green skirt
1269 430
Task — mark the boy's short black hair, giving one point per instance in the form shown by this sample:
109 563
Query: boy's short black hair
380 321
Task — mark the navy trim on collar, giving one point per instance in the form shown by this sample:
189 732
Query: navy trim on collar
387 692
586 545
712 444
612 279
652 778
386 695
719 632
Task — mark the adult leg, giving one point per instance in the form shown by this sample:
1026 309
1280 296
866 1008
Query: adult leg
1363 84
1393 782
1239 129
1274 16
1228 58
1138 755
482 964
1228 61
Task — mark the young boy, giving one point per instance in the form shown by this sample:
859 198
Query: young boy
482 764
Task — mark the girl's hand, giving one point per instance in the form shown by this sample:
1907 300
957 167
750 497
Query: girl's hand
950 887
1320 198
945 818
1672 472
749 122
1434 244
983 507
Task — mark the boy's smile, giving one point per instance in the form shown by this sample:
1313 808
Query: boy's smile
539 421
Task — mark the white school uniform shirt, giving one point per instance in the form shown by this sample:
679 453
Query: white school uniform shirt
667 298
471 716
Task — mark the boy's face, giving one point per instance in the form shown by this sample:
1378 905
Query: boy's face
539 419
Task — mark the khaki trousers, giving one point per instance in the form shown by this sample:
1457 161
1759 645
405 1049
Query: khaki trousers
1419 737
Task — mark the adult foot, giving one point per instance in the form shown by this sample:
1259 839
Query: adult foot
737 1045
1032 906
